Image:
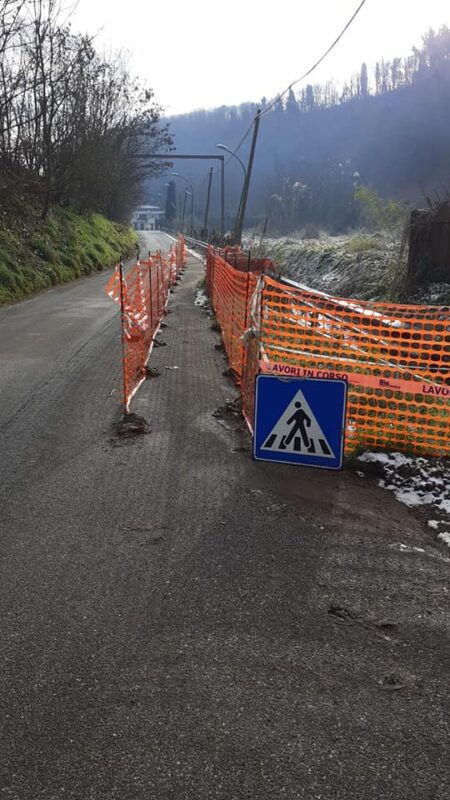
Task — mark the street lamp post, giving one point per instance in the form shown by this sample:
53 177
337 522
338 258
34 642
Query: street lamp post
208 197
238 214
248 173
177 175
186 194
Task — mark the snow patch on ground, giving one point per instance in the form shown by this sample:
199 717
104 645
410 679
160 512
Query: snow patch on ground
416 482
445 536
196 255
201 299
404 548
435 294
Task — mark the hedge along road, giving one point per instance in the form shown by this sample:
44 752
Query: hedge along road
179 621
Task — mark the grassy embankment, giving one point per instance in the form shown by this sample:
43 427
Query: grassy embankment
36 254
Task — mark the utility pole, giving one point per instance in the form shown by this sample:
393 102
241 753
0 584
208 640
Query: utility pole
222 199
245 188
213 157
208 197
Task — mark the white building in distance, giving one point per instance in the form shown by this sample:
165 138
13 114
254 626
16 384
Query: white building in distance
147 218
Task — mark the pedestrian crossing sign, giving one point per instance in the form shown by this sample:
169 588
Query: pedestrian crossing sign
300 421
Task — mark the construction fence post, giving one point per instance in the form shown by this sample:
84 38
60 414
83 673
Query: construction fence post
160 284
246 318
150 294
122 325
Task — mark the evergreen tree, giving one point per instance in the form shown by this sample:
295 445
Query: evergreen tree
309 98
378 78
364 81
291 103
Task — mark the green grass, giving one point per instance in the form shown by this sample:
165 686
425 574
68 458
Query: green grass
361 244
35 254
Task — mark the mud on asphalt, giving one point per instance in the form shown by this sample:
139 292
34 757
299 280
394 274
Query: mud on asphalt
310 607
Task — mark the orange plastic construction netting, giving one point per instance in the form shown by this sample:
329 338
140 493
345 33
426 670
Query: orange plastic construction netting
395 358
143 295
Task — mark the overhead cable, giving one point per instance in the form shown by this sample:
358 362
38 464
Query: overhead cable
305 75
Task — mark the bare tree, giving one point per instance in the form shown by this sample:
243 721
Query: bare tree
75 124
10 23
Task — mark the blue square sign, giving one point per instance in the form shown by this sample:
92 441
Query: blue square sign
300 421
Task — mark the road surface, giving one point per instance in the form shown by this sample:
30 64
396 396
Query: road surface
179 622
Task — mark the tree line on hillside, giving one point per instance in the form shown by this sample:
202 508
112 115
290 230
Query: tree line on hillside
75 126
387 128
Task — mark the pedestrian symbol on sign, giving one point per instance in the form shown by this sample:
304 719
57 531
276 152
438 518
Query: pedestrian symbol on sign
300 421
297 430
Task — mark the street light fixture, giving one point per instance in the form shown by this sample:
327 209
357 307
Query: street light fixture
230 152
177 175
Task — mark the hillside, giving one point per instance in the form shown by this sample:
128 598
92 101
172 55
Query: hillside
36 253
387 129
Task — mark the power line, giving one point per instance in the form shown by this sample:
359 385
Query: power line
302 77
322 58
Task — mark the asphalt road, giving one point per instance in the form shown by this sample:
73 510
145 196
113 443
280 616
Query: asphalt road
181 623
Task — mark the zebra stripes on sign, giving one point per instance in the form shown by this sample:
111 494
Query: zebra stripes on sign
297 431
300 421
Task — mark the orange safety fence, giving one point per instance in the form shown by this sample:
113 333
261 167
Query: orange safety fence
244 261
395 358
230 291
143 295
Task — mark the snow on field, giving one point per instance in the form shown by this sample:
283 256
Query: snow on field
355 265
416 482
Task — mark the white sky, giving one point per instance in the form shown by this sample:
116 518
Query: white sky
198 54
